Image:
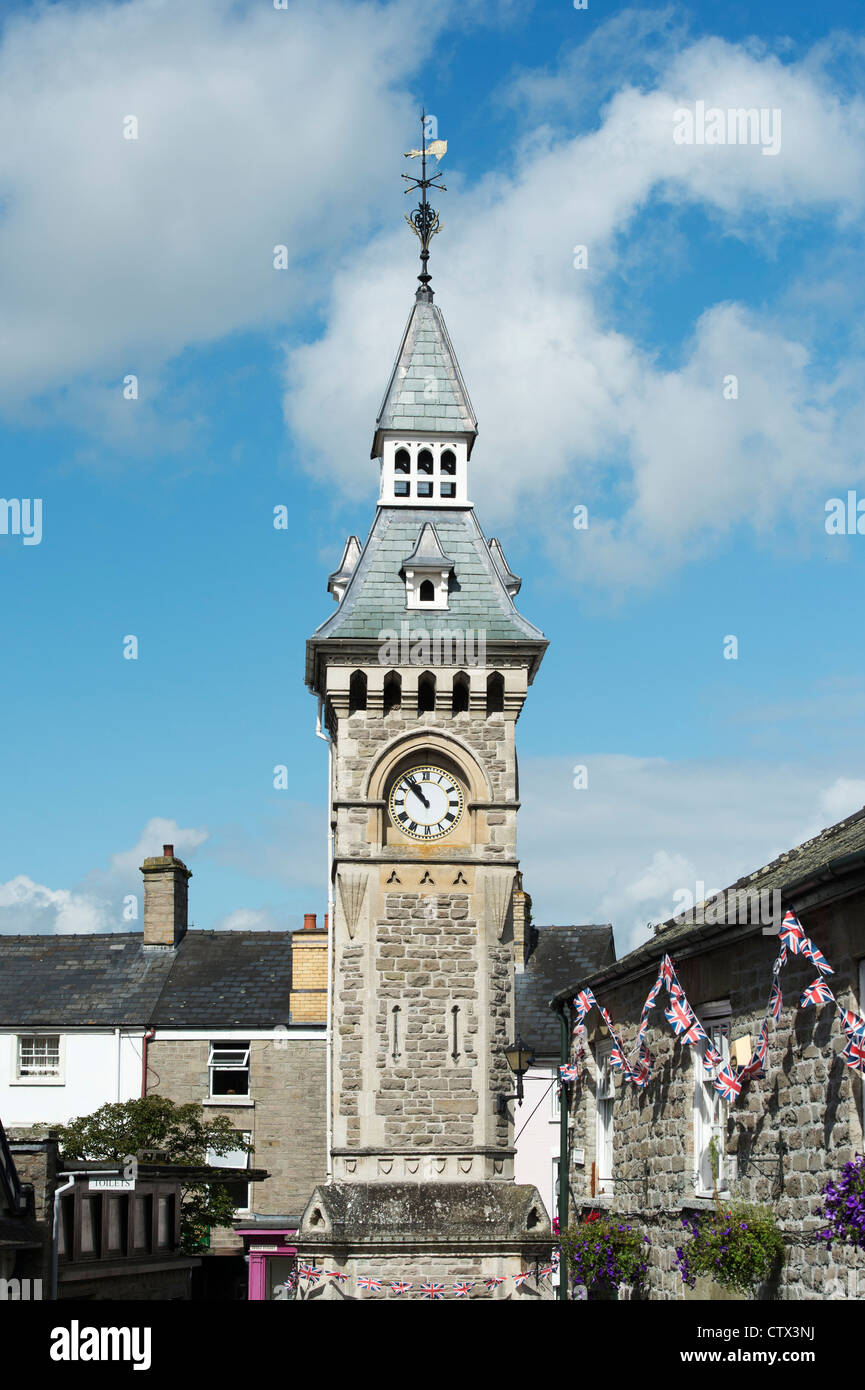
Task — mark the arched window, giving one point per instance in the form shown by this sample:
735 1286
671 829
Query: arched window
426 693
425 461
392 691
449 462
427 591
461 693
495 693
357 692
402 461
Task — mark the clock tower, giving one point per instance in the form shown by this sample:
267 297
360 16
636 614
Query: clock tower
421 673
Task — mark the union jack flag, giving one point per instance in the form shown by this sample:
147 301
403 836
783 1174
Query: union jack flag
520 1279
854 1052
811 951
569 1071
546 1272
584 1001
556 1257
817 993
791 933
667 973
461 1290
432 1290
366 1281
759 1056
728 1083
679 1016
712 1057
291 1281
303 1271
641 1071
494 1281
852 1023
336 1274
606 1017
399 1286
618 1061
776 999
313 1274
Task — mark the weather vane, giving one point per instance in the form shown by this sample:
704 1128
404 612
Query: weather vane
424 221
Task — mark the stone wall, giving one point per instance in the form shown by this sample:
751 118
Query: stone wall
807 1099
286 1119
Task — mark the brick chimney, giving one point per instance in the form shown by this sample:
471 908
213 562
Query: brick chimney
308 997
165 899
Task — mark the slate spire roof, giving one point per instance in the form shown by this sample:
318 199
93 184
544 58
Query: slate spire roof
426 391
428 553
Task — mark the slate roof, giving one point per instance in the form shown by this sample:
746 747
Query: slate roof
106 979
376 598
838 848
560 954
425 354
227 979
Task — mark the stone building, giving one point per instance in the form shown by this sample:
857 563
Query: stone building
421 673
234 1020
657 1153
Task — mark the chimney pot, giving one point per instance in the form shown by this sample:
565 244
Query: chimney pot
309 921
168 851
327 921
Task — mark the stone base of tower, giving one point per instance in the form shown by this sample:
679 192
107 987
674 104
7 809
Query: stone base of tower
421 1233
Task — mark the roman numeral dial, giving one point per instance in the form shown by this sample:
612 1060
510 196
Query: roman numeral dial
426 803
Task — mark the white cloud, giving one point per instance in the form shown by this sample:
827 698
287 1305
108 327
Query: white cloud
250 919
570 409
97 903
27 907
256 127
646 827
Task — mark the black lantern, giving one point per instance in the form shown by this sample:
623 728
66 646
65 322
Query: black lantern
520 1058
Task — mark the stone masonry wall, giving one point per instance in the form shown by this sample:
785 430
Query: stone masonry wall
426 953
287 1118
807 1098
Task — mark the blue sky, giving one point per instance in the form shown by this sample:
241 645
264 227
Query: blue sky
600 386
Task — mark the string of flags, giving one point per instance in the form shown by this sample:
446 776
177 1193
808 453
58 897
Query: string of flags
726 1078
429 1288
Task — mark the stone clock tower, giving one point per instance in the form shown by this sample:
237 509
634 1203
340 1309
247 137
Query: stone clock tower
421 673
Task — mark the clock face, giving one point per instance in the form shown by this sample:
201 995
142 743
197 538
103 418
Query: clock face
426 803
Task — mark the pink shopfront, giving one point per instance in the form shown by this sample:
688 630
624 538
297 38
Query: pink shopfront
271 1261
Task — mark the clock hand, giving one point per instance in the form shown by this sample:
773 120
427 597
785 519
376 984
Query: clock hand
416 788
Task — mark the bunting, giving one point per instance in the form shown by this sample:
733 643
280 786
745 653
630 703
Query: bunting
430 1288
688 1030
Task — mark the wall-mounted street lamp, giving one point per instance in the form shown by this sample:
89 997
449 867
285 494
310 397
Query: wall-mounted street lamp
520 1058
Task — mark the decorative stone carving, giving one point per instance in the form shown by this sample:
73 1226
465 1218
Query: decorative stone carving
352 891
498 897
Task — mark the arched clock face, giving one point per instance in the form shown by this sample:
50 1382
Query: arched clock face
426 803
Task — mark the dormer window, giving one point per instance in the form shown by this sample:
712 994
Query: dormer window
427 571
424 471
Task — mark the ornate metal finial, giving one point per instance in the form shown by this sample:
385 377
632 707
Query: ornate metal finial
424 221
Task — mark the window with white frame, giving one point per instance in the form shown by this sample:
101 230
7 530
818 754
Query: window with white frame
39 1058
228 1064
239 1191
605 1094
712 1165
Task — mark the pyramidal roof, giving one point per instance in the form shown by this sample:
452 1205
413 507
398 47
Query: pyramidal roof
426 391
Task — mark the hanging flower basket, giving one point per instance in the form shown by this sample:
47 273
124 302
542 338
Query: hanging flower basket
737 1248
604 1255
844 1206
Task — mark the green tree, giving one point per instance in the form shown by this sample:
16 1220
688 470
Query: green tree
183 1132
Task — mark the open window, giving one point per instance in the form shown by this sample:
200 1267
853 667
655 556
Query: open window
712 1165
392 692
460 693
239 1191
426 693
495 693
605 1095
228 1064
357 692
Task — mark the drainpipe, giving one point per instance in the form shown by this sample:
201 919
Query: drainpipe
117 1040
319 733
150 1034
55 1230
564 1177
